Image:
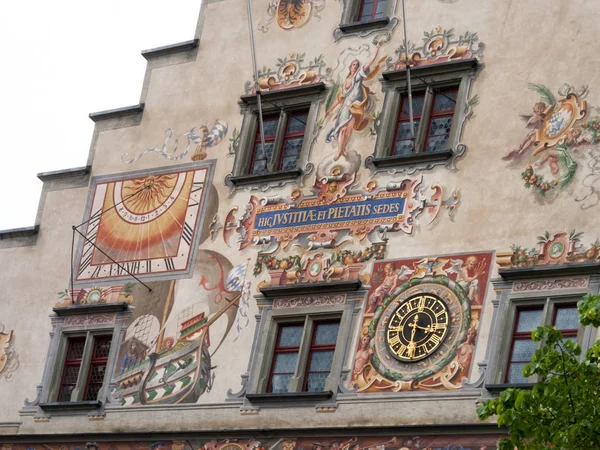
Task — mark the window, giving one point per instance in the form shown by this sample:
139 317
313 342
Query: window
277 156
522 347
433 112
439 103
84 368
320 356
300 345
371 10
512 346
364 17
81 359
287 364
289 117
564 318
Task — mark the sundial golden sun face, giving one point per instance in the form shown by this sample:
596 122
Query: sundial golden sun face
147 225
417 328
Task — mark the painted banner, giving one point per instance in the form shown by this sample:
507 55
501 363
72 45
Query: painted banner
392 208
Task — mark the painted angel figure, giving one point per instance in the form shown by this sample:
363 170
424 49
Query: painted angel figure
467 276
363 354
353 100
390 282
535 120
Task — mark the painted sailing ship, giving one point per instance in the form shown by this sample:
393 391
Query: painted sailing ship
173 371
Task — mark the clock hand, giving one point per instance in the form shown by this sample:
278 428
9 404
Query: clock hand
411 344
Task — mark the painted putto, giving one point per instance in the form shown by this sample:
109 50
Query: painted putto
291 71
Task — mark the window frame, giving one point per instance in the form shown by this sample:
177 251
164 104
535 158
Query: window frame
359 15
520 335
316 348
283 102
351 24
80 390
501 338
277 350
426 80
310 321
279 138
80 321
305 350
322 305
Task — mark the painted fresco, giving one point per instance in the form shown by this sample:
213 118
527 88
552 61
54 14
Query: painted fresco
552 249
201 138
290 14
176 330
96 294
453 287
9 358
398 442
335 215
291 71
561 149
350 102
145 225
439 46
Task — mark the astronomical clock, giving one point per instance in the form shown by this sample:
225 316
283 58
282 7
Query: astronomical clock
147 224
420 323
414 334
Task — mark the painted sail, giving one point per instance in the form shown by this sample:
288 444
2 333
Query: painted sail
168 359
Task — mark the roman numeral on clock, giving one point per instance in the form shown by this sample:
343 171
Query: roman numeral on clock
187 234
435 339
85 261
169 264
394 341
402 350
197 186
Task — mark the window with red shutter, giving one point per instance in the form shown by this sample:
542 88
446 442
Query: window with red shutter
276 157
94 371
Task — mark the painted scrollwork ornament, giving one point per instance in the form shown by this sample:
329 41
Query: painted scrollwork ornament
9 358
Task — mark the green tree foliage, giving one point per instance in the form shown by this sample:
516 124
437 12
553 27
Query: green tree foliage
562 411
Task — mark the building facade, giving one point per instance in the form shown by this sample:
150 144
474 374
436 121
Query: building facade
355 268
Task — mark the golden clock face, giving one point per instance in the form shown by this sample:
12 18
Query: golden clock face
417 327
146 225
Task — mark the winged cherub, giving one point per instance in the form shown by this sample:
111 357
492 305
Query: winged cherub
390 282
535 121
467 276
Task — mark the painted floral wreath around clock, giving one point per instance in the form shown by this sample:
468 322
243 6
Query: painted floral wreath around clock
443 297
